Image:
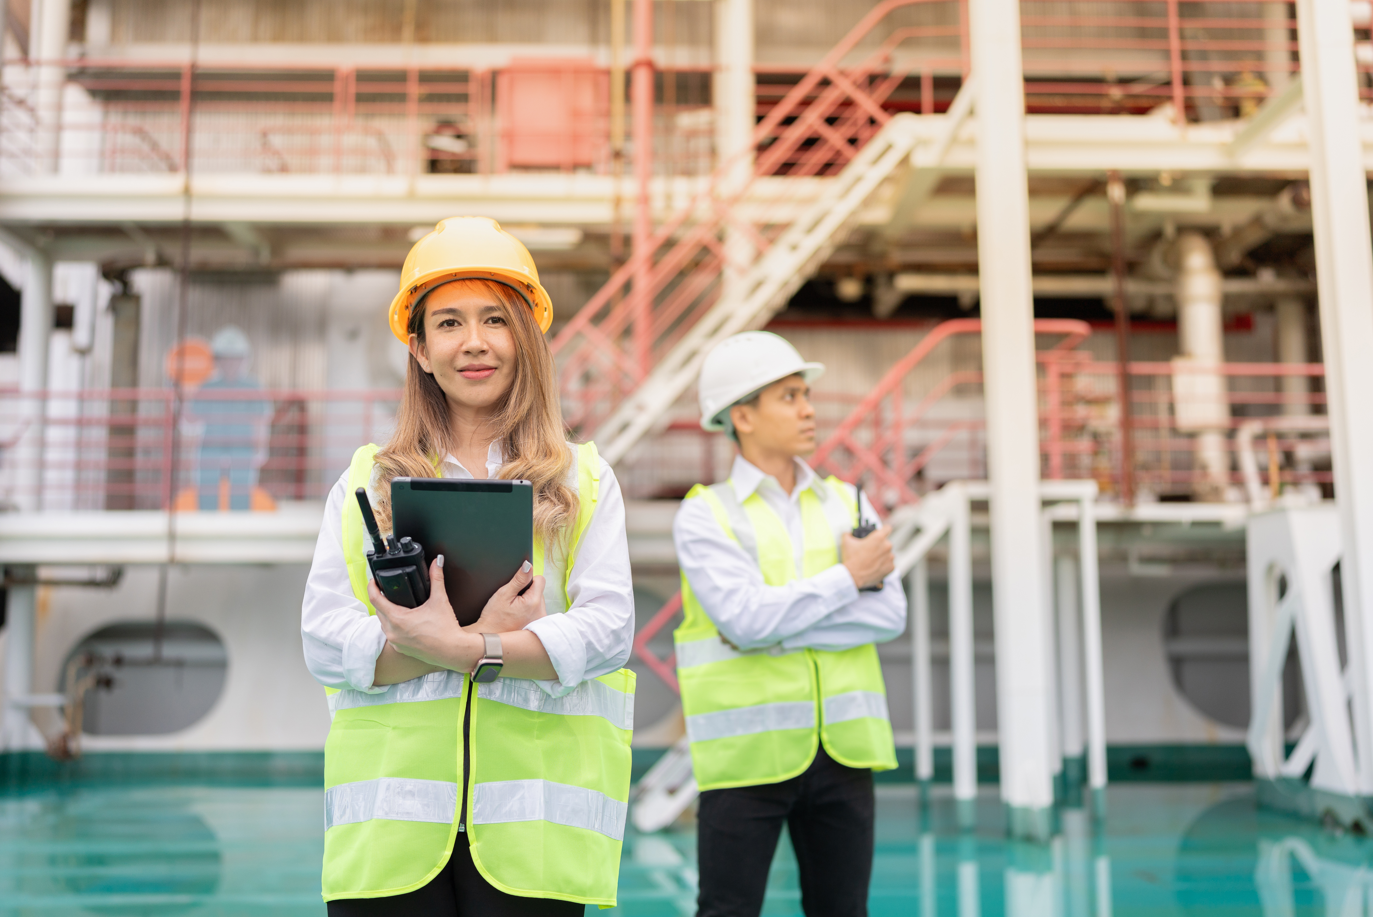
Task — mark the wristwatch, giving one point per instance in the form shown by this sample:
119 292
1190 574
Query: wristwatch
488 667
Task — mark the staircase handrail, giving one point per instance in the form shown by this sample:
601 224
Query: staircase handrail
1074 331
629 293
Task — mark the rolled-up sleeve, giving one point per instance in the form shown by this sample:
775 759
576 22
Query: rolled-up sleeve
341 640
596 633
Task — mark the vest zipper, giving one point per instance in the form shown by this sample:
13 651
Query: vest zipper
466 751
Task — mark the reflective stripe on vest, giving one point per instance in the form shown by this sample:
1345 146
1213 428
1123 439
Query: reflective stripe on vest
394 798
549 776
590 698
543 800
744 721
757 716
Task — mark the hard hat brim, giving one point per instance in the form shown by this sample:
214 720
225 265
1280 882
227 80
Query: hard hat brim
808 371
531 291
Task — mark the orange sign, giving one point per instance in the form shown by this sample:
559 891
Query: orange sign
190 363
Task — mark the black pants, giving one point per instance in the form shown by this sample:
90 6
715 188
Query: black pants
458 890
829 813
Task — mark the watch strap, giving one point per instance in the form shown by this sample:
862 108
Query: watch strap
493 646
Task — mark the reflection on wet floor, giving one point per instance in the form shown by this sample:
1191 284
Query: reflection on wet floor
1163 849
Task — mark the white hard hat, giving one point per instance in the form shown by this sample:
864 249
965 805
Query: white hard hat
740 365
230 341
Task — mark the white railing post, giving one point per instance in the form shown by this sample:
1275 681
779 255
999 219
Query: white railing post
962 683
918 600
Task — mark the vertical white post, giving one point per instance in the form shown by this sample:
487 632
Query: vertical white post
35 332
1069 664
962 690
918 600
1008 348
735 106
49 46
1293 349
1091 646
1344 275
1051 663
19 732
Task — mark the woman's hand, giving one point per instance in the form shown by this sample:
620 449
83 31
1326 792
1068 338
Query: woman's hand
429 632
507 610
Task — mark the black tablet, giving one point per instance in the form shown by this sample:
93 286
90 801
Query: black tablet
483 529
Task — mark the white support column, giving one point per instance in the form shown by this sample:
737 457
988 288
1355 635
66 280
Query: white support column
1091 649
35 331
48 45
733 93
1051 663
962 683
19 732
1069 666
1199 388
1003 248
1344 274
918 600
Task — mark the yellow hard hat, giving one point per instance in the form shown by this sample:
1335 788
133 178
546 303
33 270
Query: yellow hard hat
463 248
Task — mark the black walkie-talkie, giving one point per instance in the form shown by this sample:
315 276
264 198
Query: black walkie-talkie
864 529
401 572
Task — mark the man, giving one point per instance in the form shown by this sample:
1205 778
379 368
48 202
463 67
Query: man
233 443
781 687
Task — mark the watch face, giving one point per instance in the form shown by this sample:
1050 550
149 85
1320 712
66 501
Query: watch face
487 672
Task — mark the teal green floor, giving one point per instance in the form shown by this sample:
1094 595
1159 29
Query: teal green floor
1162 849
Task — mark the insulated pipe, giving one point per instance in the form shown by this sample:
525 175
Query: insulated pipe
734 95
962 683
1201 406
48 45
1344 273
35 332
918 599
1008 361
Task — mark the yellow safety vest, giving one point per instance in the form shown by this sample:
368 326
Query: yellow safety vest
547 781
758 717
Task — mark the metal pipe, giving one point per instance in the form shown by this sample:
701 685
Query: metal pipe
1115 192
735 104
641 101
918 598
962 681
1199 387
1091 645
1008 360
49 47
1293 349
1069 657
35 331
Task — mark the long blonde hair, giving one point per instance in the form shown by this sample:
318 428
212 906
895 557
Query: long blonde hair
529 421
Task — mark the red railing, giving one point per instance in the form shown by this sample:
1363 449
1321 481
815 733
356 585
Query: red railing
124 449
815 129
890 439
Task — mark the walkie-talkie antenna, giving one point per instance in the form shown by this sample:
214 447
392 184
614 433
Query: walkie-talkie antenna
857 499
370 521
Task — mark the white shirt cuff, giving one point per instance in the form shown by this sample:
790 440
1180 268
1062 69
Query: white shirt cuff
566 650
361 647
836 587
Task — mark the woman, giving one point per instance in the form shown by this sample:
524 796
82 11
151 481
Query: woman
443 796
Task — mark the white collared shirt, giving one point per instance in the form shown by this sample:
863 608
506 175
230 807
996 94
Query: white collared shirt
594 637
825 611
